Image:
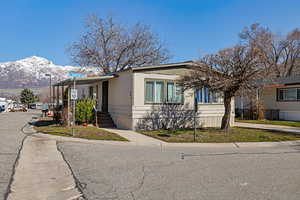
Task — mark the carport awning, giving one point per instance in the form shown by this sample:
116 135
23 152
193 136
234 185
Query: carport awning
85 81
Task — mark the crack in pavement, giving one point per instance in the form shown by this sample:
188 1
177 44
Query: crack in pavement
140 185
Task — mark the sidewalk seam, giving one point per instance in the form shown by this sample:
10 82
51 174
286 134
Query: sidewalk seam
236 145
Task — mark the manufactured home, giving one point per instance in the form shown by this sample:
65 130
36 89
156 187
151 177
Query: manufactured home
140 96
283 96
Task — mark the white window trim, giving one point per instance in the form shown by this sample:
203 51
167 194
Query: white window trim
165 91
284 99
174 92
154 91
210 103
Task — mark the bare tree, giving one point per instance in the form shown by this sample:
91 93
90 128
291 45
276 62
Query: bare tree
280 54
111 47
229 71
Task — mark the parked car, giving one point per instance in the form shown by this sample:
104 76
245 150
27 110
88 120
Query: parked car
38 105
2 108
32 106
18 108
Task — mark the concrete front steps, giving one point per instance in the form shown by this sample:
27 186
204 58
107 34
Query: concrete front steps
104 120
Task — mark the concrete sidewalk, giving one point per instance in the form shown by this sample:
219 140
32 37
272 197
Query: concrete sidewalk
143 140
136 138
42 173
288 129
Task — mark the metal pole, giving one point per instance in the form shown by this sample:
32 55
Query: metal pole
50 92
74 109
69 106
242 107
257 103
195 112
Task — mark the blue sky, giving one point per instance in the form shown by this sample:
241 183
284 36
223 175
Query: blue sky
189 28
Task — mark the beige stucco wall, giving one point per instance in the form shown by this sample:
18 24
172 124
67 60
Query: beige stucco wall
288 110
120 100
209 115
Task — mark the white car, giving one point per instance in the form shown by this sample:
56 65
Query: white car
18 108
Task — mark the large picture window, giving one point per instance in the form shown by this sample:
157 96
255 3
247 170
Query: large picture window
175 93
205 95
288 94
160 91
154 92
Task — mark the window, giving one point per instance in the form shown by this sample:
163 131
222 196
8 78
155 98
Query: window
91 92
159 91
154 91
149 97
288 94
205 95
83 93
175 93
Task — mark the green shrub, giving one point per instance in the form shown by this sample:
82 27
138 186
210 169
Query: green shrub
85 111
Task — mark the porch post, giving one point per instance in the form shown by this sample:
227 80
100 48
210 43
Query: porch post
57 98
62 95
53 98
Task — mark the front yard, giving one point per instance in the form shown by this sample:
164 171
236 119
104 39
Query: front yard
90 132
215 135
271 122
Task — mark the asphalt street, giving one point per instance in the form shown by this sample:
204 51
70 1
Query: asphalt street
185 173
169 172
10 143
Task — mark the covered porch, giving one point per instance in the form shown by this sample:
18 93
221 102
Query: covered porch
87 88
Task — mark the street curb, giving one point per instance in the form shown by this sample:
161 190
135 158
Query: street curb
212 145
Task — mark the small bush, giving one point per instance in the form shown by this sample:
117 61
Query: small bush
85 111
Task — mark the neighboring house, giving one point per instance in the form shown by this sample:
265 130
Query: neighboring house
133 96
283 95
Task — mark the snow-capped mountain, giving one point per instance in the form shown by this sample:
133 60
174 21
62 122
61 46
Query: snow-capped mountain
30 72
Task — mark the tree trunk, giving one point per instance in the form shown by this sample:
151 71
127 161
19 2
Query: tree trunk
227 115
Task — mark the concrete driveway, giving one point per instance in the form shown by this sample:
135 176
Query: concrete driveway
108 171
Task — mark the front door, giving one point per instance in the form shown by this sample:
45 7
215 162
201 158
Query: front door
105 96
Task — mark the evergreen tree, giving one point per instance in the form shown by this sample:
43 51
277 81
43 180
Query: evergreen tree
27 96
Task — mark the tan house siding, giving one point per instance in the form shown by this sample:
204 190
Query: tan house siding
287 110
120 100
209 115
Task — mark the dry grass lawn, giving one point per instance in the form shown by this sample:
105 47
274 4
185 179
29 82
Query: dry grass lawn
215 135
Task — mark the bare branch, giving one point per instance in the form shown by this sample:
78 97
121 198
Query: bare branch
112 47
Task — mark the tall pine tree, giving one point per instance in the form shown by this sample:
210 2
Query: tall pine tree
27 96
